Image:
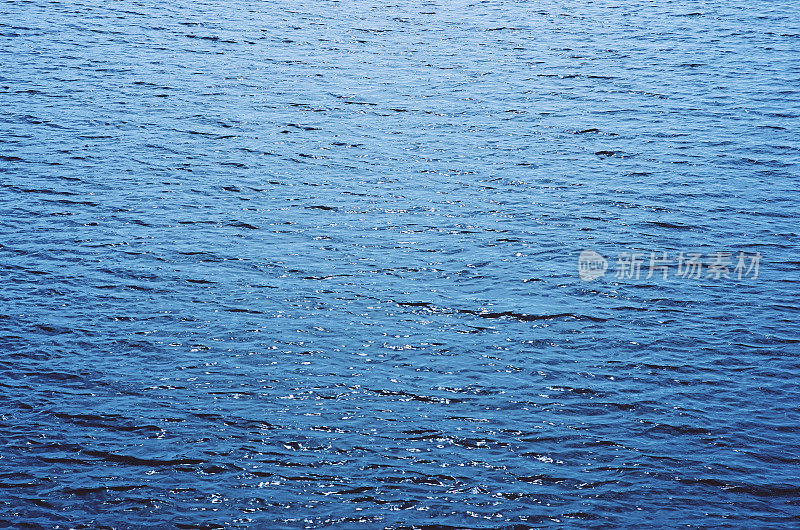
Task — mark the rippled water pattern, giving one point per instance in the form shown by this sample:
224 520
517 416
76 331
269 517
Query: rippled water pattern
286 264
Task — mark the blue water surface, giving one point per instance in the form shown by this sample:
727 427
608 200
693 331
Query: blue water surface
295 264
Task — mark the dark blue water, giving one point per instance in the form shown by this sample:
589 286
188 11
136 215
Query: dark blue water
292 264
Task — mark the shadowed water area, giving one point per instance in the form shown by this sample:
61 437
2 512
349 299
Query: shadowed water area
293 264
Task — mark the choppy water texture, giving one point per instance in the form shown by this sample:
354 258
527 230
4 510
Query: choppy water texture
309 264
